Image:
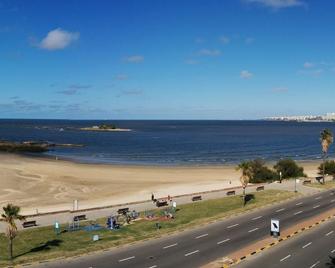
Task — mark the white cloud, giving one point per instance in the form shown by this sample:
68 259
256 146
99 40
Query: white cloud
278 4
58 39
246 74
121 77
225 40
134 59
280 90
249 40
308 65
209 52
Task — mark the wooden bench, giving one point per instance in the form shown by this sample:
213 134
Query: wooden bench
307 182
27 224
123 211
79 218
260 188
231 193
196 198
161 203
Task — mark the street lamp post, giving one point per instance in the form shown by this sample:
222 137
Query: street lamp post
280 175
295 185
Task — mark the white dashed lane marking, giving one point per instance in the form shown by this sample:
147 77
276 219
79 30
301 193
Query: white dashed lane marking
307 245
315 264
279 210
191 253
170 246
252 230
223 241
329 233
231 226
317 198
298 212
127 259
201 236
316 206
285 258
256 218
298 204
154 266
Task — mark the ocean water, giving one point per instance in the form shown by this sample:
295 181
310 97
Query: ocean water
174 142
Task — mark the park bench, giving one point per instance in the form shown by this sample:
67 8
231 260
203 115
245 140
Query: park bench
161 203
79 218
307 182
27 224
231 193
196 198
260 188
123 211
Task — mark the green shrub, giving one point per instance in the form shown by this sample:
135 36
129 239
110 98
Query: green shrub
329 168
289 169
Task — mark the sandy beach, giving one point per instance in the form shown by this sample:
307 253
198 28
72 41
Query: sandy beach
49 185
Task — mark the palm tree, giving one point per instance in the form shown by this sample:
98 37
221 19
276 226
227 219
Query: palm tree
245 167
11 213
326 139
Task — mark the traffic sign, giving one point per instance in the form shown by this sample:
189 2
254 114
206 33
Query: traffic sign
275 229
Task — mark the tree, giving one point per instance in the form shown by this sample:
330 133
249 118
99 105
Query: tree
11 213
246 169
328 167
289 169
326 139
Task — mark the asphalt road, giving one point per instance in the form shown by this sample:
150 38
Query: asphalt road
312 248
199 246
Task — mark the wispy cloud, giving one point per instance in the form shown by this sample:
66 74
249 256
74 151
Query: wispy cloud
308 65
209 52
121 77
246 74
279 90
249 40
199 40
277 4
130 92
224 40
58 39
73 89
191 62
134 59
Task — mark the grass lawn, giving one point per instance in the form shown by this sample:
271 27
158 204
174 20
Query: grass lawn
42 243
328 185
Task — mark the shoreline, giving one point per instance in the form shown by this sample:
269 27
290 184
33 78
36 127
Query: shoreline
47 184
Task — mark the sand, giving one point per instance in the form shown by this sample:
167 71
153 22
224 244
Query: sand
49 185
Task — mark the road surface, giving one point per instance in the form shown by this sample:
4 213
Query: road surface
199 246
312 248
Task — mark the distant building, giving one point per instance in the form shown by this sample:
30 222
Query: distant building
305 118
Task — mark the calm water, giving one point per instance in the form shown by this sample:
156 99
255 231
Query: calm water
174 142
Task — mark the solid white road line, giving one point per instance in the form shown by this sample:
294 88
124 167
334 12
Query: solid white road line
308 244
298 204
256 218
317 198
283 259
191 253
127 259
170 246
280 209
231 226
223 241
200 236
253 230
316 206
298 212
329 233
315 264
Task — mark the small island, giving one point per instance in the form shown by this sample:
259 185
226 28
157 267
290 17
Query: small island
105 127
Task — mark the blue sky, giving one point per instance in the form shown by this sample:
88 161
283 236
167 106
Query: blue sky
155 59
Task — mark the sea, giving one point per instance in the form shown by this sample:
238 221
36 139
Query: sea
173 142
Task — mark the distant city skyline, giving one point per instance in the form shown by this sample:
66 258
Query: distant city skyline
234 59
